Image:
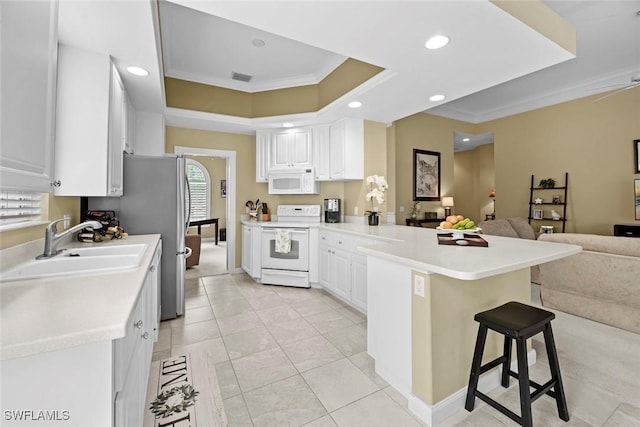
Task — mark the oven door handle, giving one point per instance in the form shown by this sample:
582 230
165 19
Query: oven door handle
272 230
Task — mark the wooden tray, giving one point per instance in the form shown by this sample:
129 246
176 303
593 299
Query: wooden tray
470 239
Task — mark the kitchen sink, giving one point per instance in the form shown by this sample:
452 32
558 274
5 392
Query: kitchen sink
79 261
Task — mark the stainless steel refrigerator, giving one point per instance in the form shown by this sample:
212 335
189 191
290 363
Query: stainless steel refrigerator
154 200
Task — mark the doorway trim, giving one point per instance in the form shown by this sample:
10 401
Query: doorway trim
230 156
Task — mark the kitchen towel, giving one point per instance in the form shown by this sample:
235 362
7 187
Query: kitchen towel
283 241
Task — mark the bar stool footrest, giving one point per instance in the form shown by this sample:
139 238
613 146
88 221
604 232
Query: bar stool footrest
503 409
540 389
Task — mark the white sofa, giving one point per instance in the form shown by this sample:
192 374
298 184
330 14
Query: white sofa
601 283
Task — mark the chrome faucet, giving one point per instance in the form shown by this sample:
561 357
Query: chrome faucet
52 238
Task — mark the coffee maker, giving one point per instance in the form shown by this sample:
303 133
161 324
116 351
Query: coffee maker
332 210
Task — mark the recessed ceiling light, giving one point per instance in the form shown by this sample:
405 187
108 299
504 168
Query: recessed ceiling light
465 139
137 71
436 42
287 125
258 42
355 104
436 98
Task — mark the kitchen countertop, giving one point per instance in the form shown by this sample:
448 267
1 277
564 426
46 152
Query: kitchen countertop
418 248
49 314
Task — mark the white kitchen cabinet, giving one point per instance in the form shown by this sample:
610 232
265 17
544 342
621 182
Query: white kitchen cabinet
129 126
342 270
28 66
99 383
90 122
263 138
346 150
291 148
251 263
321 152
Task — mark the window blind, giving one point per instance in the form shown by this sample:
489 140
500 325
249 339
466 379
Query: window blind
19 206
199 185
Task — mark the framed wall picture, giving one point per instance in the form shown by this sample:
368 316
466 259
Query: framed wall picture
636 149
223 188
426 175
537 214
637 198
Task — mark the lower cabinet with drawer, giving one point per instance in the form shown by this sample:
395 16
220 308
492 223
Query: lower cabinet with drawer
99 384
342 270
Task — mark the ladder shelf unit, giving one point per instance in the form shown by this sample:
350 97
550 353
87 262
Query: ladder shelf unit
543 213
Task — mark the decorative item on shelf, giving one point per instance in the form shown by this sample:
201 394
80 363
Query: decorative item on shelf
547 183
537 214
555 199
538 200
377 185
555 215
546 229
416 210
447 203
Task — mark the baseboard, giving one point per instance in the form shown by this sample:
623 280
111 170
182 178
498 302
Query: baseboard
434 415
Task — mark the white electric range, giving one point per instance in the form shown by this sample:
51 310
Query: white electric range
287 245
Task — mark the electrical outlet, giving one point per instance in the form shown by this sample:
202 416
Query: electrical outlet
418 286
401 208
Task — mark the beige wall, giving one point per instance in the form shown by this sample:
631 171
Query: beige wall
590 141
474 178
425 132
57 207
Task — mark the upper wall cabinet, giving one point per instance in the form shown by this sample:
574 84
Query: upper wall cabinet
341 155
29 44
291 148
262 155
91 124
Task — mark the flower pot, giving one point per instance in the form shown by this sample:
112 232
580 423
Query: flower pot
374 219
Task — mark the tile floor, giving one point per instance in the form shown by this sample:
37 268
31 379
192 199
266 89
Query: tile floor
297 357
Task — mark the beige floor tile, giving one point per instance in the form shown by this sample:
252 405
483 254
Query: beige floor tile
376 410
289 402
238 323
194 301
237 413
227 380
367 365
256 290
311 352
159 355
328 321
292 330
352 314
325 421
624 416
193 315
164 339
396 396
260 369
350 340
339 383
280 313
309 307
262 302
192 333
214 348
232 307
248 342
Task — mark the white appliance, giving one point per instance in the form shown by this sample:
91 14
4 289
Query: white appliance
155 201
288 266
293 181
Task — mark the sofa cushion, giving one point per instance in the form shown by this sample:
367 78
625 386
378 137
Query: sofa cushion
523 228
498 227
597 243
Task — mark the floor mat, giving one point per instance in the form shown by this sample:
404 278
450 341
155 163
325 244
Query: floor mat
183 390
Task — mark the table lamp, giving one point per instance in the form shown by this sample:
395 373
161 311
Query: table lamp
492 196
447 202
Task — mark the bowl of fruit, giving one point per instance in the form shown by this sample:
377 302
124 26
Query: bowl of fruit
458 223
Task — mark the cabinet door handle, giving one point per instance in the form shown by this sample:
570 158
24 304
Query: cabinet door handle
57 183
145 335
138 324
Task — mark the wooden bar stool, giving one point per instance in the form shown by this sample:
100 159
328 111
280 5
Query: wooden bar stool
520 322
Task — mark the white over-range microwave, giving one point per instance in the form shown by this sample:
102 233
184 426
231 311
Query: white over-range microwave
293 181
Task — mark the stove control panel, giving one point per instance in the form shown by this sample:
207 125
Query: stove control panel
300 211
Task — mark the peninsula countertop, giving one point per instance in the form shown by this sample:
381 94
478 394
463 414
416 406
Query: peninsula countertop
53 313
418 248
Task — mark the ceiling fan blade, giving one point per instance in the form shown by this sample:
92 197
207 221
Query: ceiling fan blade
615 92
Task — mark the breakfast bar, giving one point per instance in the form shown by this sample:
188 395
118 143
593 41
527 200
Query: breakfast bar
422 297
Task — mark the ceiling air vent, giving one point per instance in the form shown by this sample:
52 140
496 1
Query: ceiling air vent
241 77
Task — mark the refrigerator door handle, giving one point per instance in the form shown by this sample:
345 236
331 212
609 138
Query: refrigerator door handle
187 252
186 181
